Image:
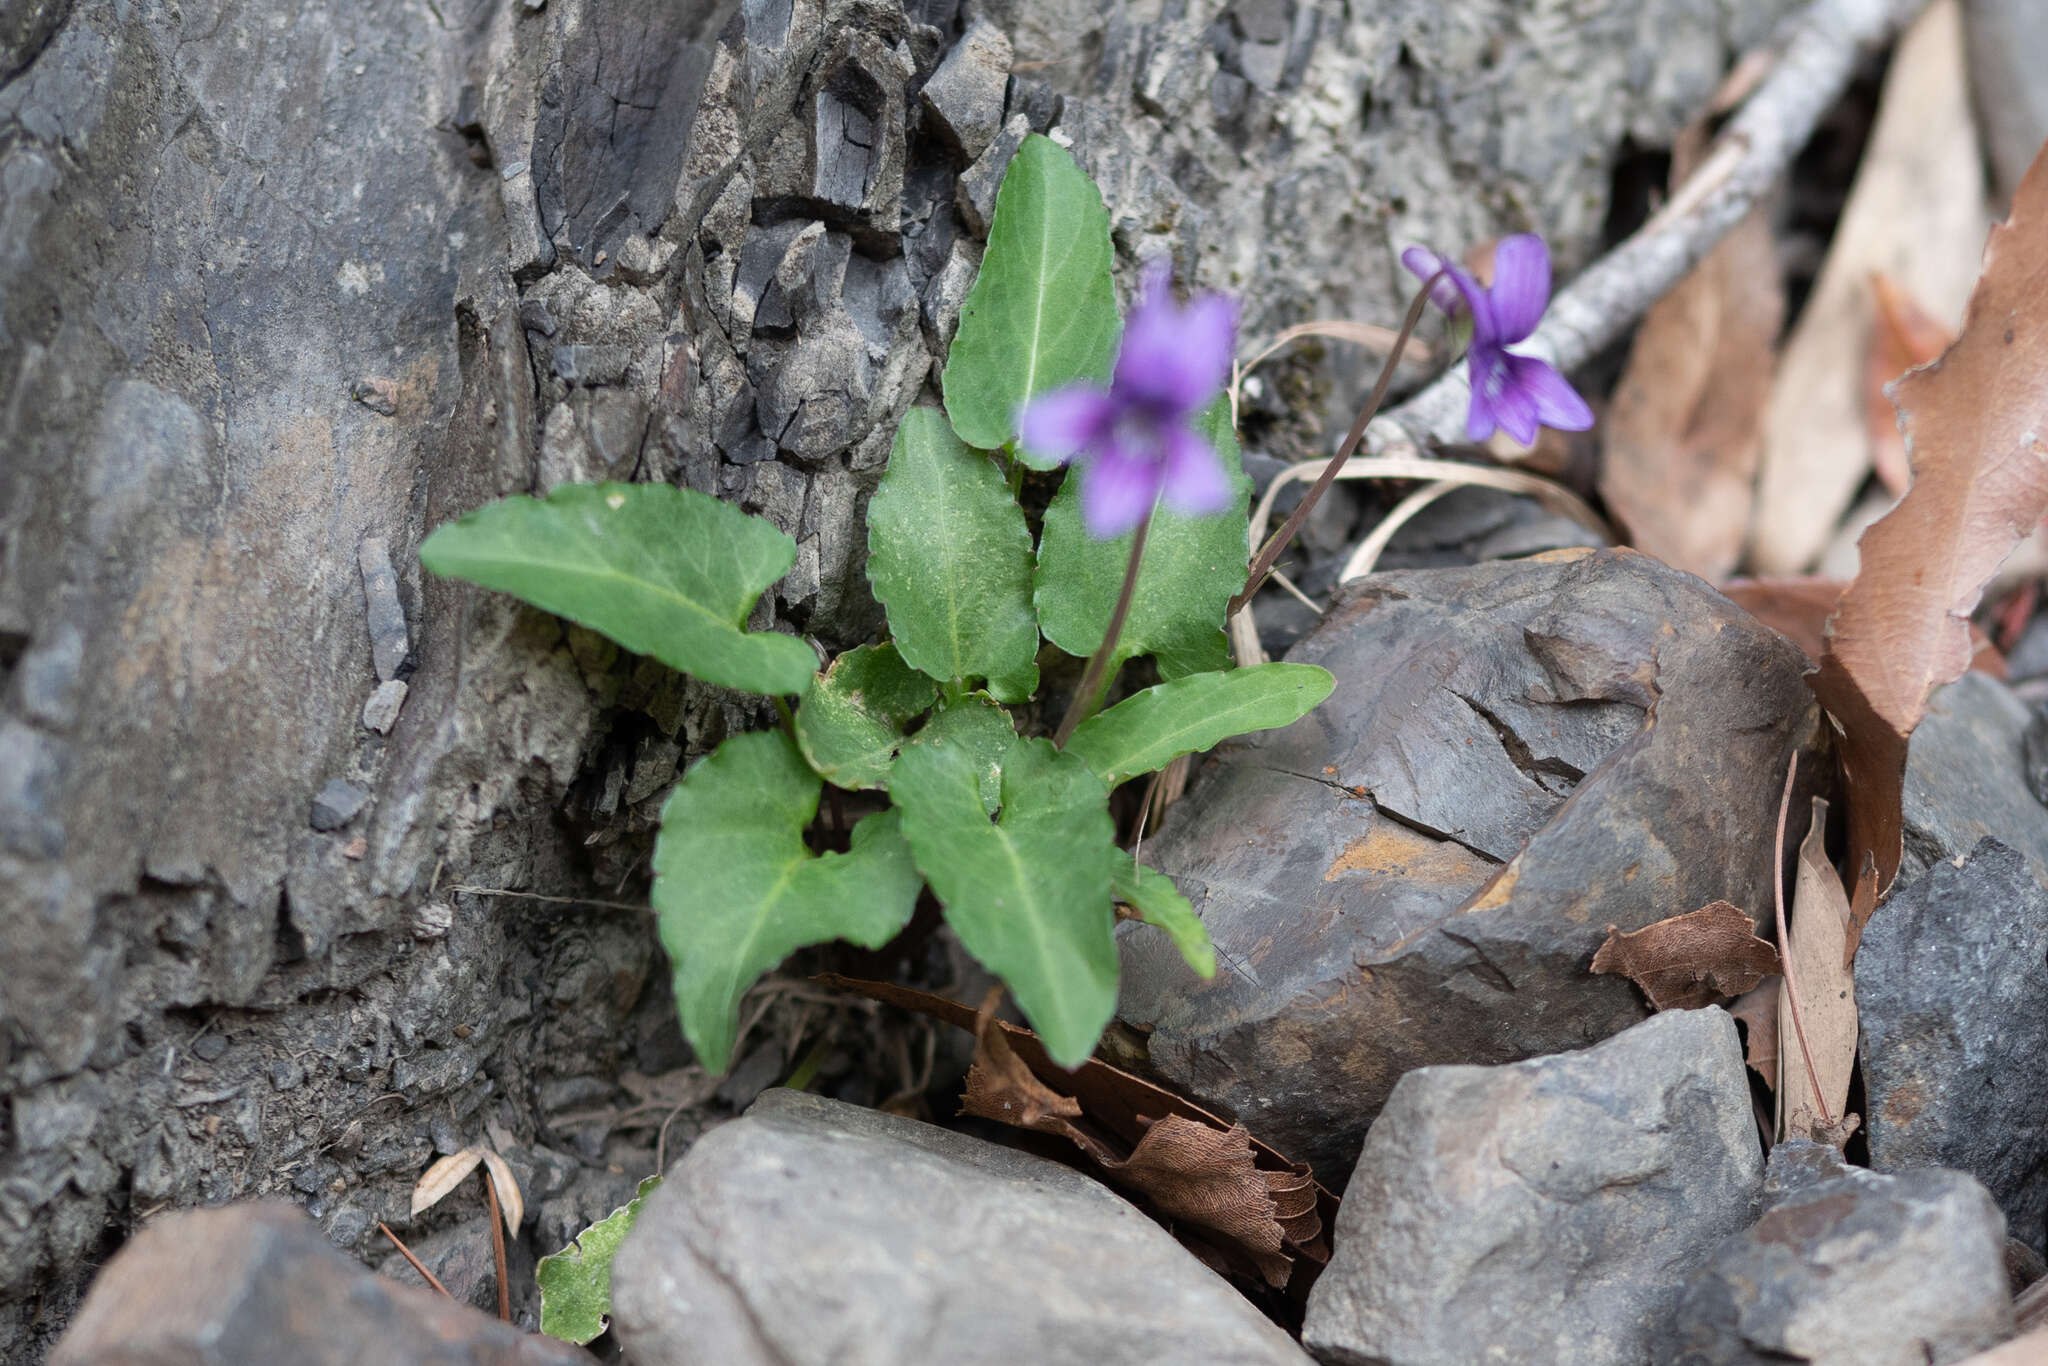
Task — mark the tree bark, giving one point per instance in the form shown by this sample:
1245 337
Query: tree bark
281 290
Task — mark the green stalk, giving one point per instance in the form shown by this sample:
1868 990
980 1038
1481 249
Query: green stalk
1095 681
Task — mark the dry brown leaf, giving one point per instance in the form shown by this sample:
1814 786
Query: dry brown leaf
1903 337
1824 1030
1916 212
510 1203
1270 1223
1757 1008
1691 960
1975 423
444 1176
1862 905
1680 444
1796 608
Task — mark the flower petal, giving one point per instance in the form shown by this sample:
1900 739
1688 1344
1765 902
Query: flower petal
1423 264
1174 360
1059 425
1521 285
1487 366
1557 403
1196 484
1117 493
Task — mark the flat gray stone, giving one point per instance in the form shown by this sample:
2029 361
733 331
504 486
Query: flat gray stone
380 713
1861 1270
337 804
1966 779
388 642
1952 986
1546 1210
964 97
810 1231
1517 755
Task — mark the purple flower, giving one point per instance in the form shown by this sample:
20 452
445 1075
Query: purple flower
1134 438
1513 392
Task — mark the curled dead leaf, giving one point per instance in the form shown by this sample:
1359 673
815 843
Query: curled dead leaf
1691 960
1238 1205
510 1203
1757 1008
1903 336
442 1177
1976 424
1817 1048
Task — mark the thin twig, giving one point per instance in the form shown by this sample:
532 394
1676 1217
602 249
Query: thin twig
417 1264
557 900
1820 53
1785 943
1269 553
498 1247
1097 676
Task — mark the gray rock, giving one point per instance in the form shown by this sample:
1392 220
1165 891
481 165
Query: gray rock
337 804
1421 869
809 1231
1952 986
1798 1163
1861 1270
976 197
1966 778
388 642
2008 45
1542 1211
965 95
380 713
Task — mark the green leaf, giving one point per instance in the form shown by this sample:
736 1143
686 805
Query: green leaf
949 557
1028 894
985 730
576 1283
736 891
851 721
1159 904
665 572
1192 567
1150 729
1042 312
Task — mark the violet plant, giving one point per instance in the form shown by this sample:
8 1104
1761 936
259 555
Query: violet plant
1139 553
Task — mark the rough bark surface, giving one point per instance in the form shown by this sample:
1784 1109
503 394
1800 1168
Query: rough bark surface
280 291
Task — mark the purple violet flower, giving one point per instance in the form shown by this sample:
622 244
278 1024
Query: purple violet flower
1134 438
1513 392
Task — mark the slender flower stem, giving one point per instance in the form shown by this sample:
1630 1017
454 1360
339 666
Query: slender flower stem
1096 679
1269 553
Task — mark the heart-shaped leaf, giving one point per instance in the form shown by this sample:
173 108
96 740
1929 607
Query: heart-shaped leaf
1192 567
949 557
1160 904
1028 893
1149 730
851 721
1042 312
736 891
665 572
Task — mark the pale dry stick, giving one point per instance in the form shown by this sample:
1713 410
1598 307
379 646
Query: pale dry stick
1791 985
1820 52
1374 545
1244 637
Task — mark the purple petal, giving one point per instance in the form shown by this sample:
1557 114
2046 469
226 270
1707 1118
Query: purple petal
1496 399
1061 424
1196 484
1117 493
1557 403
1521 285
1423 264
1174 359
